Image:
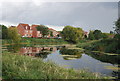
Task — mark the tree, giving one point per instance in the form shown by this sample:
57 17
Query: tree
43 29
97 34
51 33
105 35
117 26
72 34
111 32
91 36
13 34
4 32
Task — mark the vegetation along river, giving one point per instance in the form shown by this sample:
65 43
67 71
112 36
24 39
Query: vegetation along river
71 58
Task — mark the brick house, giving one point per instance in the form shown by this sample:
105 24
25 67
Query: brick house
25 30
35 32
30 31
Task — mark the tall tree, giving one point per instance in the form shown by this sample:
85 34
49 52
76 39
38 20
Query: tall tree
43 29
4 31
72 34
97 34
13 34
91 36
117 26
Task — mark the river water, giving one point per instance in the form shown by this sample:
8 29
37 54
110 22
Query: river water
71 58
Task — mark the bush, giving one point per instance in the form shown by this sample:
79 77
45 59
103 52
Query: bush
25 67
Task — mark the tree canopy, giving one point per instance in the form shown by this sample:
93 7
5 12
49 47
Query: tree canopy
4 31
91 36
13 34
97 34
72 34
43 29
117 24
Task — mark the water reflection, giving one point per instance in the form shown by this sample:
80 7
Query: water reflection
95 62
70 54
41 52
113 59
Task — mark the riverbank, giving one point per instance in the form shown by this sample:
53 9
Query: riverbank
36 41
25 67
107 46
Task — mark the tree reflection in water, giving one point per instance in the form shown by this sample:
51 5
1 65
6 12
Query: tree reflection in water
69 54
113 59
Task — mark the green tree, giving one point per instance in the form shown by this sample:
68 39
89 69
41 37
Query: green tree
117 26
4 31
111 32
91 36
13 35
72 34
43 29
105 35
97 34
51 34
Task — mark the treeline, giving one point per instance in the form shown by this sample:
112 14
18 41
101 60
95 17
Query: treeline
105 42
10 33
75 35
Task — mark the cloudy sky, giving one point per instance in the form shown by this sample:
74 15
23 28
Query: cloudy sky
87 15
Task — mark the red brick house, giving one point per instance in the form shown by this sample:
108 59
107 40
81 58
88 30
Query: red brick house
30 31
25 30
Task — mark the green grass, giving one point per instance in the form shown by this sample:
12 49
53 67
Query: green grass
16 66
36 41
104 45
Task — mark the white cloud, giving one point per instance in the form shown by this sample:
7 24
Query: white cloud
58 14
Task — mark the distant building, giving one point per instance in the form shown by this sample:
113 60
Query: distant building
30 31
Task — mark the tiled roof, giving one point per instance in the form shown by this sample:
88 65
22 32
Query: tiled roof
24 26
34 25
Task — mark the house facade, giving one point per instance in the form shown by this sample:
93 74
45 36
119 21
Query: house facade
30 31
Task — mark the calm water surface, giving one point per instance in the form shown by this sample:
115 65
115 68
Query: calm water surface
70 58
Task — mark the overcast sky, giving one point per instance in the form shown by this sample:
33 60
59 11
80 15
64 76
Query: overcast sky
87 15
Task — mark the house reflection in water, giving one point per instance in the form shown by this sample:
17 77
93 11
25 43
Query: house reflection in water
37 51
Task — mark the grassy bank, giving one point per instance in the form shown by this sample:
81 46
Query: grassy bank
36 41
104 45
24 67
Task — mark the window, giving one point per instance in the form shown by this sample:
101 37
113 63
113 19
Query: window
30 31
38 31
27 31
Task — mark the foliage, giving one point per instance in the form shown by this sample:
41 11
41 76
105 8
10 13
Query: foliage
105 35
111 32
105 45
91 36
4 31
117 36
51 34
13 35
24 67
43 29
97 34
117 24
72 34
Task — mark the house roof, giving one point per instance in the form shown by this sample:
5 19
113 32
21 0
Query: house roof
24 26
34 25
